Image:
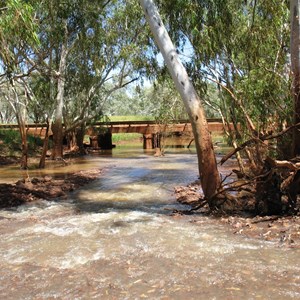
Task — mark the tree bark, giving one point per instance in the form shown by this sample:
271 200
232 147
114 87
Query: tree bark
23 133
45 147
80 138
20 110
295 65
57 128
209 175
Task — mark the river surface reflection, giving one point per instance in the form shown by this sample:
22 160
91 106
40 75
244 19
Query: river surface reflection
116 239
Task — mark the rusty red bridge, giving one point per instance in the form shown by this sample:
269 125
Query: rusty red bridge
149 129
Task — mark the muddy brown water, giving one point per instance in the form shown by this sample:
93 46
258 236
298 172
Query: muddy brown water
116 239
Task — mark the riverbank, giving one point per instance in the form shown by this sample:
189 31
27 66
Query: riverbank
46 188
283 230
4 160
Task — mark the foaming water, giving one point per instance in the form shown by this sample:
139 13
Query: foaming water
115 239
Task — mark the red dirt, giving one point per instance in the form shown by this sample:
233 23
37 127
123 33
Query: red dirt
44 188
283 230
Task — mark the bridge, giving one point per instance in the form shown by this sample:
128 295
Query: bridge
150 130
152 127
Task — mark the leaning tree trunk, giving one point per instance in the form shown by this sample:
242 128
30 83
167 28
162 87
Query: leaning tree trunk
295 65
209 176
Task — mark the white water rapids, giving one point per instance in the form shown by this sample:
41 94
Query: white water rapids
115 239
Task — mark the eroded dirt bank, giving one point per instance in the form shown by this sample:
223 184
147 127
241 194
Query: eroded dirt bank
284 230
44 188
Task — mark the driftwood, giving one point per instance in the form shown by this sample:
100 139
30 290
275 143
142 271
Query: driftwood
283 164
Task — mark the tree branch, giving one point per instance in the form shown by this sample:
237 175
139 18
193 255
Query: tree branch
261 139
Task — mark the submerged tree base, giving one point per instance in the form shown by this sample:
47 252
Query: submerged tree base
274 190
278 188
281 229
265 207
272 193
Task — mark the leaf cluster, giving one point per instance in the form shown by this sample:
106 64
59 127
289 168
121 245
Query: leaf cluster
242 47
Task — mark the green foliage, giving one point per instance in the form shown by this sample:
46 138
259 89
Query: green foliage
17 30
241 47
110 51
10 141
10 138
118 137
130 118
239 58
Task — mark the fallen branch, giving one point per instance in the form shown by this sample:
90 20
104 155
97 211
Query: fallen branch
237 149
190 143
279 134
283 164
227 176
196 207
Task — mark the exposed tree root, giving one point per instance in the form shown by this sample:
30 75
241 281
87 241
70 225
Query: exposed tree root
275 191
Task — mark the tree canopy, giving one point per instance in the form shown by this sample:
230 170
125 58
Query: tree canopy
68 62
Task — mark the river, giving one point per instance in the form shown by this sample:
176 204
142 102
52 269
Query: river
116 239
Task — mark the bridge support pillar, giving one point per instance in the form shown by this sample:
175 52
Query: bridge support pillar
94 141
148 141
102 141
105 140
156 140
151 141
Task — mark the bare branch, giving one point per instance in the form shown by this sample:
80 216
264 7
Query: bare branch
283 164
238 102
260 139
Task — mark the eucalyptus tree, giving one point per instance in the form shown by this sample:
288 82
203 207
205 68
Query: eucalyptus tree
209 176
42 109
17 39
61 30
112 55
242 47
89 50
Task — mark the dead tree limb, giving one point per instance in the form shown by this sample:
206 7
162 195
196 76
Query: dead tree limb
283 164
237 149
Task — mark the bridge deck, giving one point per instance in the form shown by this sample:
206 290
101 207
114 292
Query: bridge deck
143 127
150 127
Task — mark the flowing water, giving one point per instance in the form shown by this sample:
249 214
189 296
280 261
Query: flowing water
116 239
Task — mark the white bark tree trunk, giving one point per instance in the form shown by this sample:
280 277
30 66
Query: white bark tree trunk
57 128
209 176
295 65
20 110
